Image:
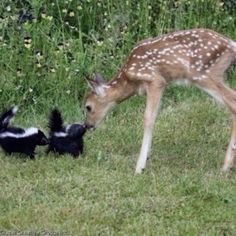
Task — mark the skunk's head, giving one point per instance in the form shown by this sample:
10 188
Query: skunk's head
76 130
41 138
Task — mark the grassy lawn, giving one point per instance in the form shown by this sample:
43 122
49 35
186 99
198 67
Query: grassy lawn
47 49
181 192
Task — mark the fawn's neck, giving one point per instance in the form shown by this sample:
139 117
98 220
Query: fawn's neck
120 88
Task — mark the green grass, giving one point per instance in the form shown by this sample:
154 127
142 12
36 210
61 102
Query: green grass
181 192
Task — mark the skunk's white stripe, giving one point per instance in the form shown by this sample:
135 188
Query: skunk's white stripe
15 109
8 118
28 132
60 134
68 127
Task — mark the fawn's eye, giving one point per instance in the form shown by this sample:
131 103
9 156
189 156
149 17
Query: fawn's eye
88 108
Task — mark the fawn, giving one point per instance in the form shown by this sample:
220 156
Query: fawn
198 56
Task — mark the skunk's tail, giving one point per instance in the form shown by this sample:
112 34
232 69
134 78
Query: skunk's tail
6 117
55 121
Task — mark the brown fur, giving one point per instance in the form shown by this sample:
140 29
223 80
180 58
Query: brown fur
199 56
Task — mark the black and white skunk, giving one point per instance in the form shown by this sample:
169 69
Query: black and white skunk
65 139
19 140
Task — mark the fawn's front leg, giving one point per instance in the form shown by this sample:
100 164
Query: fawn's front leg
154 92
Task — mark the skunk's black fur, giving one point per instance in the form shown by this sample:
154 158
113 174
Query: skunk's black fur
6 117
19 140
65 139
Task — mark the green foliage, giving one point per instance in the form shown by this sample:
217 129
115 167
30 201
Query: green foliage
49 47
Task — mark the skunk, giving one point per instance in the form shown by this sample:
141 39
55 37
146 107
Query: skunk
19 140
65 139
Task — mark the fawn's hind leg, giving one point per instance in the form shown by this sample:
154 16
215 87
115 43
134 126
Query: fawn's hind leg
228 97
229 157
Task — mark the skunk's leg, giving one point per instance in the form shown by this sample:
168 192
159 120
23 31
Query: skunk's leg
32 155
48 150
8 153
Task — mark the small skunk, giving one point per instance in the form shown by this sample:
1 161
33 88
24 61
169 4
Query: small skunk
65 139
16 139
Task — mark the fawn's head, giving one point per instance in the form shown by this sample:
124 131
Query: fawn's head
97 101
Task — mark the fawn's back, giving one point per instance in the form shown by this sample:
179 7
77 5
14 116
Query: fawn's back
190 54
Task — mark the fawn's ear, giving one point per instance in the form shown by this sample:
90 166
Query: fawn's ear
96 84
97 77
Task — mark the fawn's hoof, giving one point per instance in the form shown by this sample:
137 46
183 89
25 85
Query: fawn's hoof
139 170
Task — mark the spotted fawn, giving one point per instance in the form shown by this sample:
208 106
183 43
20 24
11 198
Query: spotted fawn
197 56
